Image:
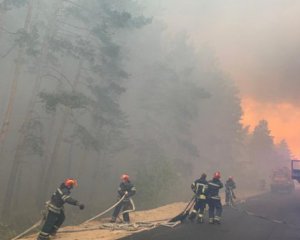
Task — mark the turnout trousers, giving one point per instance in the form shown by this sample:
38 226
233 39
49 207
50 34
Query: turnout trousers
199 208
124 206
229 195
215 209
52 224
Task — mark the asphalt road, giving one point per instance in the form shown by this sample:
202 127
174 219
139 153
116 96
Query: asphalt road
240 223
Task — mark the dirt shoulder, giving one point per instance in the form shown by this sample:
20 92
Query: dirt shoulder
160 213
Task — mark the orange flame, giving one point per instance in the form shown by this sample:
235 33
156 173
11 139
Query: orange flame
283 119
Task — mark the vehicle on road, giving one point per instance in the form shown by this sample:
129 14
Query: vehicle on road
295 169
281 181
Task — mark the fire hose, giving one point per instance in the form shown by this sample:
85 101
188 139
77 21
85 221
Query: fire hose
133 227
37 224
106 211
129 210
138 226
28 230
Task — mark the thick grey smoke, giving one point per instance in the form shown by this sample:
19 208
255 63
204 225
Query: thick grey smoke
257 42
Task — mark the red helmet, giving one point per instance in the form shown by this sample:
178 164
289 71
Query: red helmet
217 175
125 177
70 182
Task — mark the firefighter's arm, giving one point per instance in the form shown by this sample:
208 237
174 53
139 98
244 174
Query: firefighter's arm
74 202
121 192
193 187
132 191
68 199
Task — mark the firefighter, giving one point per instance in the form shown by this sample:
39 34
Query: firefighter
199 187
229 194
126 189
214 200
55 207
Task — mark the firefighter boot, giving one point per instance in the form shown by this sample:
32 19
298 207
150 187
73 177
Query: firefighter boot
200 218
113 220
192 215
54 231
217 220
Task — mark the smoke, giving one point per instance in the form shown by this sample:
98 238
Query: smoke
256 42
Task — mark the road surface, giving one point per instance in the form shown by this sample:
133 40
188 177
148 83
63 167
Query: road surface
256 219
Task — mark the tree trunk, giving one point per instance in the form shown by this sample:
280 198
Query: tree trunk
69 163
7 116
49 173
82 165
3 6
18 67
48 177
39 200
96 174
7 204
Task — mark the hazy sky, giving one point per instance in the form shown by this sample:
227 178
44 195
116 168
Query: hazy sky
257 44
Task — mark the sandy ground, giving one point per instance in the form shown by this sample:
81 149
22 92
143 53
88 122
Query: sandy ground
163 212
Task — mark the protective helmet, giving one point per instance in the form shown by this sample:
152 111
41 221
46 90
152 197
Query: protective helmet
125 177
217 175
70 182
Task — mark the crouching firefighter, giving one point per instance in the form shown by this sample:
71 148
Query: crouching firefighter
126 190
214 200
199 187
229 194
56 215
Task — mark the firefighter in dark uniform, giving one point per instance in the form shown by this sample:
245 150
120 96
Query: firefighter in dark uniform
229 186
126 189
214 200
56 215
199 187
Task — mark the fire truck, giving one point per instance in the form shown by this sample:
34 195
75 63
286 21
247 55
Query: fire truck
295 169
281 180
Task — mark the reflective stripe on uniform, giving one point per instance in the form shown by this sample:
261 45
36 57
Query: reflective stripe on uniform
201 184
202 196
65 197
44 234
216 197
204 186
60 191
53 208
217 218
214 184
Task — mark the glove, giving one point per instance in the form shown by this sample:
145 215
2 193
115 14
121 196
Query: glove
81 206
126 194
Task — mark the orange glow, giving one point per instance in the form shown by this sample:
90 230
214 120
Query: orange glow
283 121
